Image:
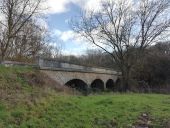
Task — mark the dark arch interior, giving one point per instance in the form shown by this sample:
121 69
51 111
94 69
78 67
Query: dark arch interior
97 85
77 84
110 85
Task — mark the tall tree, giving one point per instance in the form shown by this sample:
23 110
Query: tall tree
16 13
124 30
28 42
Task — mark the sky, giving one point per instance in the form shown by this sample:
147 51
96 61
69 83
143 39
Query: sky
58 14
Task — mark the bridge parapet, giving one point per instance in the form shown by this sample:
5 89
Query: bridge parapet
51 64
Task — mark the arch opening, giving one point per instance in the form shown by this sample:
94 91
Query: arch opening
78 84
97 85
110 85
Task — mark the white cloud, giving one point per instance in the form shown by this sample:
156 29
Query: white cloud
65 36
60 6
93 5
56 6
56 32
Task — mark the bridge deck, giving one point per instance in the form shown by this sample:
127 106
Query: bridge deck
48 64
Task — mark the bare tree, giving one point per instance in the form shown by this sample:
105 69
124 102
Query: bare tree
98 58
16 13
124 30
28 42
50 51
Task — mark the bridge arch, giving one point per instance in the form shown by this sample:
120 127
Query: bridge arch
78 84
97 85
110 85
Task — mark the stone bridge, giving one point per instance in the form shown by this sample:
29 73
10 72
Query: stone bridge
79 77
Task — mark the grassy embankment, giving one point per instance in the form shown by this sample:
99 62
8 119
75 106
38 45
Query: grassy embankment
27 102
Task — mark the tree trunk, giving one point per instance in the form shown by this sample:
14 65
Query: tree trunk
125 79
2 57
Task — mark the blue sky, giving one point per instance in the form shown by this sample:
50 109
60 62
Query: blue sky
59 20
58 24
60 11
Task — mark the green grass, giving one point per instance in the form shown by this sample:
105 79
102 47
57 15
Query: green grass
33 107
58 111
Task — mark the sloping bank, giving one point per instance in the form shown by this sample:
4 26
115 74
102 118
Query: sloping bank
29 99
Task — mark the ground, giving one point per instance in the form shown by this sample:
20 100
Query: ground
28 101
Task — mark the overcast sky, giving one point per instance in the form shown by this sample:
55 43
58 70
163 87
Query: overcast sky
59 12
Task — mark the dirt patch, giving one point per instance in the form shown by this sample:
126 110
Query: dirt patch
104 123
42 80
167 125
39 79
144 121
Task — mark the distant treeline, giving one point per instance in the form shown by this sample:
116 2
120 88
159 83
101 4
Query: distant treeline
150 74
94 58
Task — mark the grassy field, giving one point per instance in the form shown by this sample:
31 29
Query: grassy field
26 102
